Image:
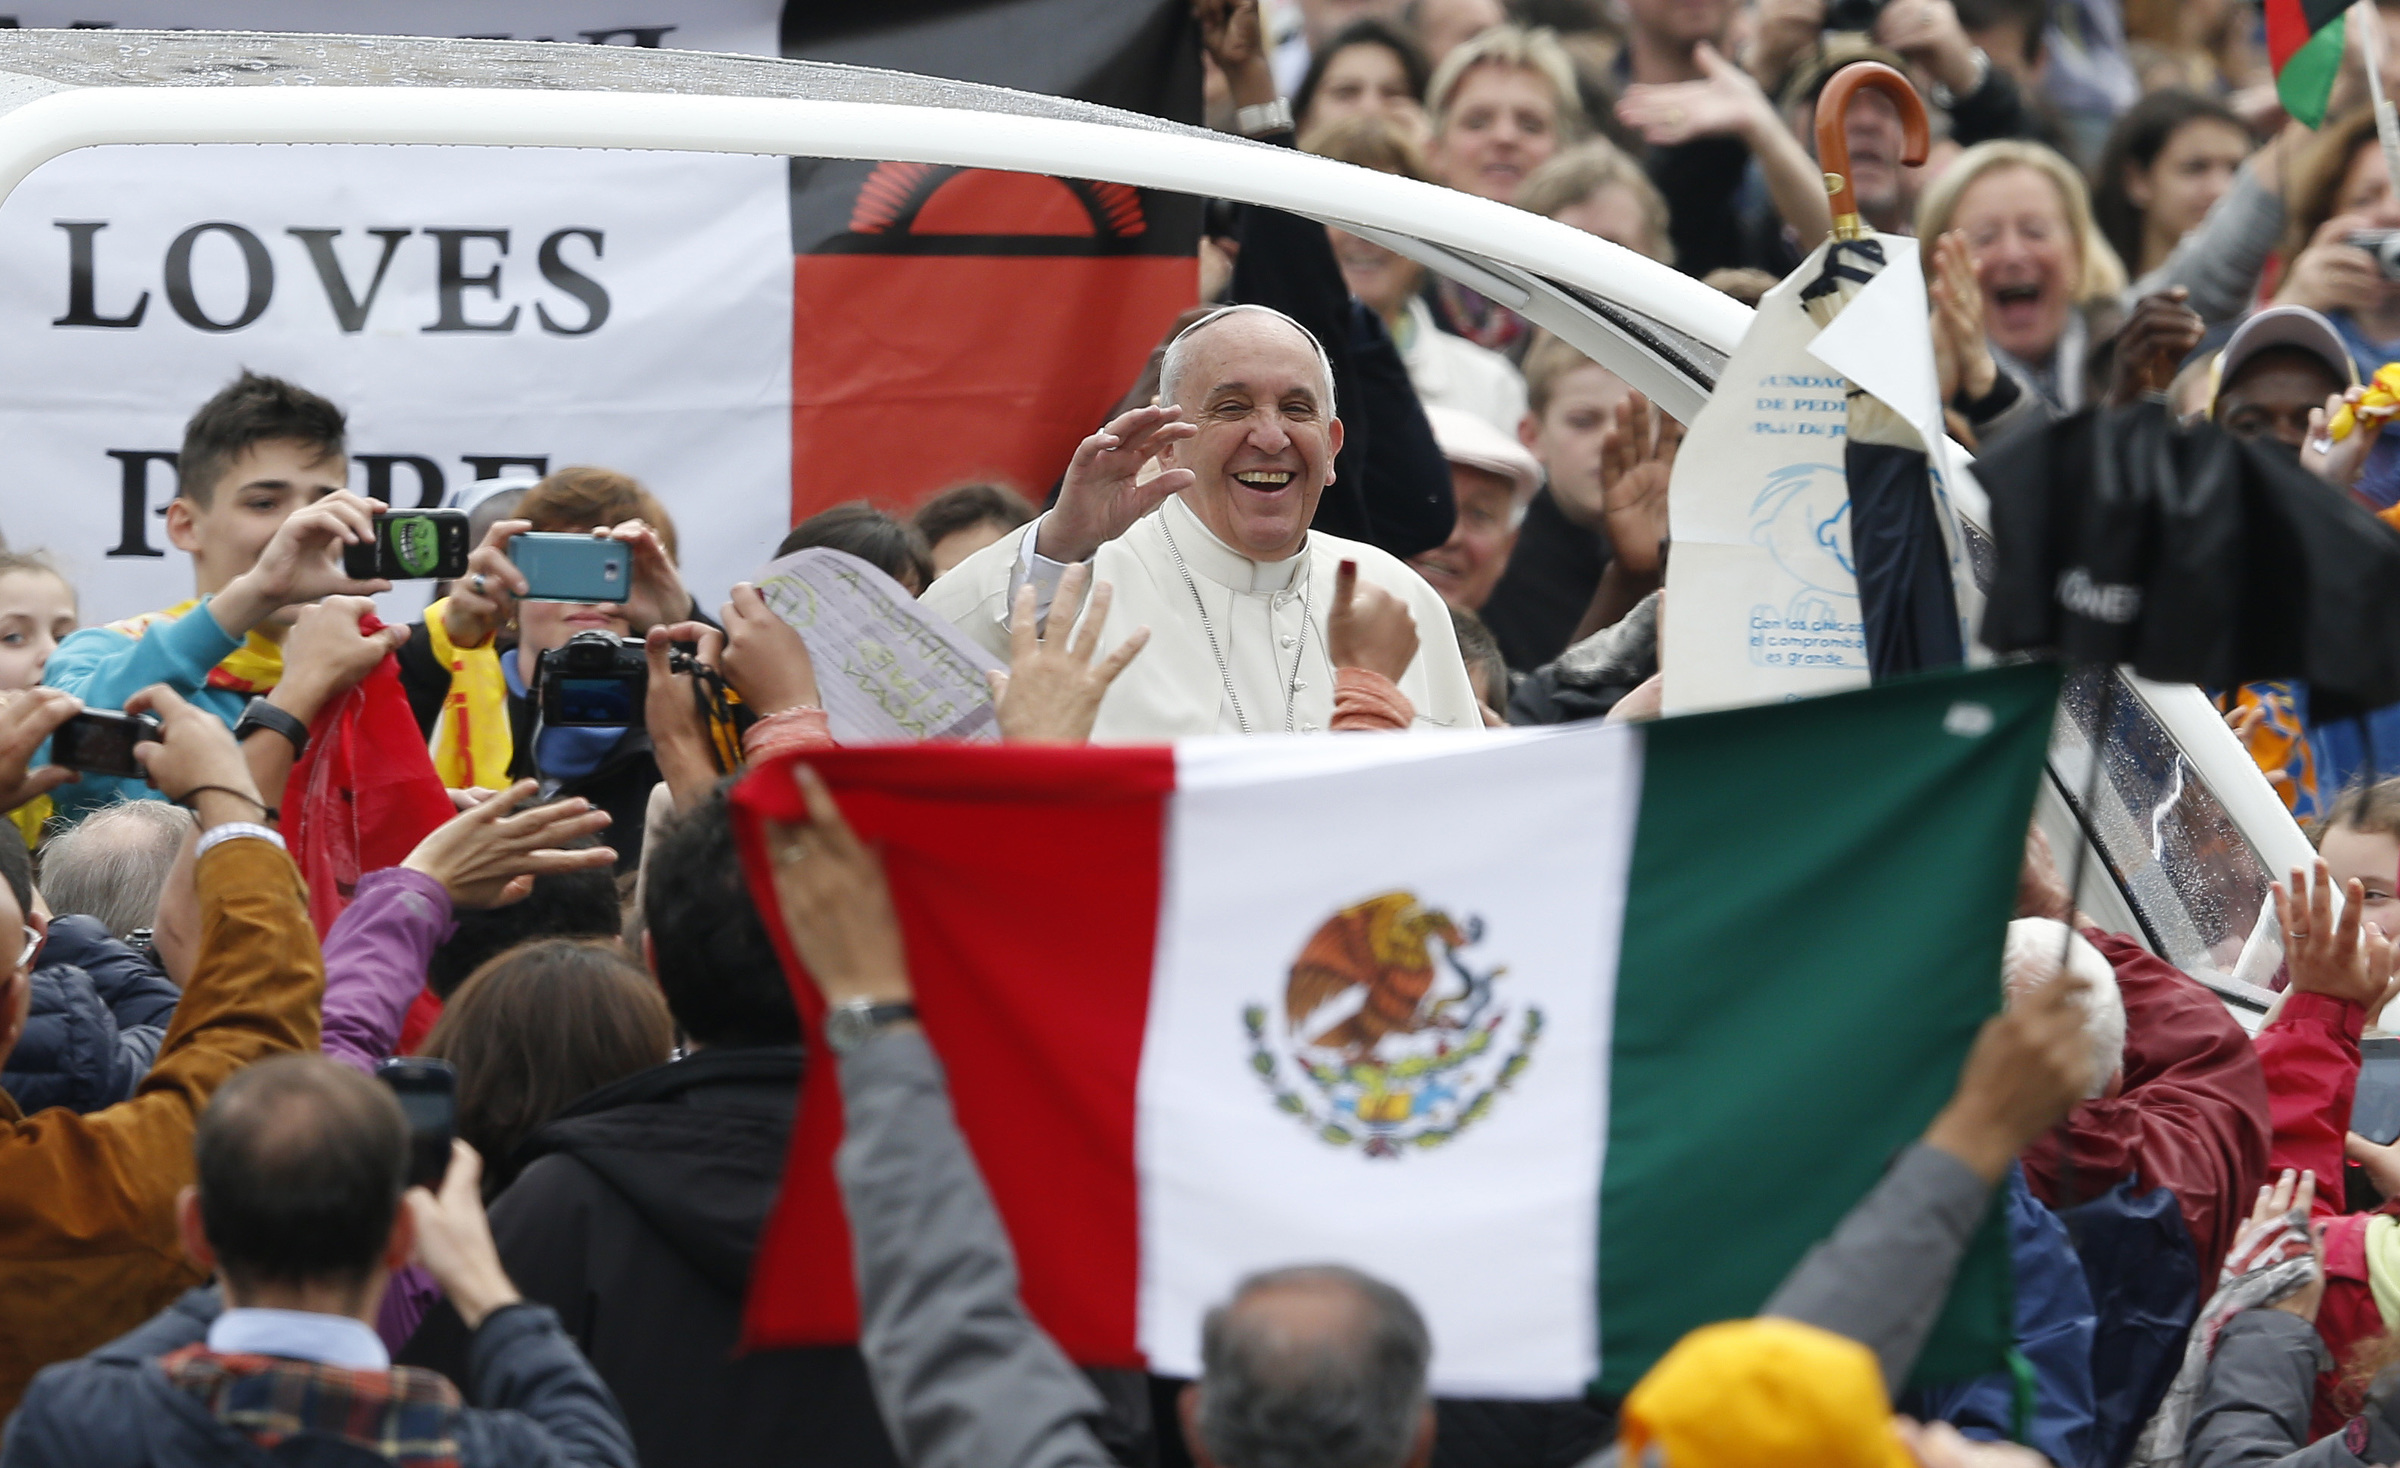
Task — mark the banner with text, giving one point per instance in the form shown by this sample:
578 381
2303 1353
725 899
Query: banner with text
479 311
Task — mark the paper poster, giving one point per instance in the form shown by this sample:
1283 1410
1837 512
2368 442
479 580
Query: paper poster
888 671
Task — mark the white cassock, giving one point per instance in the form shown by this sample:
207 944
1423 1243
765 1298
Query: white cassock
1236 646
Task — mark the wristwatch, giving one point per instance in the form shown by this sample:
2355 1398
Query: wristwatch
1261 118
259 714
854 1023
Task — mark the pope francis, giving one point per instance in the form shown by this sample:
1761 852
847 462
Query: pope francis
1213 554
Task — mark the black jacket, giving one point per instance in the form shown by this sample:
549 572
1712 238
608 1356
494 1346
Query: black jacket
539 1406
1552 576
636 1219
98 1013
1588 679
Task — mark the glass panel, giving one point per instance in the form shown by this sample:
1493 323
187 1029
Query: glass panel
2193 880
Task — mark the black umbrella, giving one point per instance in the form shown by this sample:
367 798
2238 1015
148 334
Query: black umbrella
2193 556
1900 556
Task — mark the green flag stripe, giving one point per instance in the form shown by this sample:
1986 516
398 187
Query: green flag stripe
2306 81
1812 937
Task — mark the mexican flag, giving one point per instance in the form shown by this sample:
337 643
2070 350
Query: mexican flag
2304 45
1581 1036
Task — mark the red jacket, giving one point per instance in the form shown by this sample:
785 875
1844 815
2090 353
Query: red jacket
2310 1055
2192 1115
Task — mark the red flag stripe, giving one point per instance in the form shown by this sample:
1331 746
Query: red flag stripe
1039 1029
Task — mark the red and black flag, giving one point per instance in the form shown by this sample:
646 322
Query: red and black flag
2304 44
956 324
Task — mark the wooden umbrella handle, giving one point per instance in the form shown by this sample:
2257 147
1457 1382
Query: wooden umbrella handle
1833 134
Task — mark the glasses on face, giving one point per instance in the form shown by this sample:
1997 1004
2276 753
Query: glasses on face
33 943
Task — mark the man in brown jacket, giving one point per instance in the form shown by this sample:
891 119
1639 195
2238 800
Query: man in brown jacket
88 1246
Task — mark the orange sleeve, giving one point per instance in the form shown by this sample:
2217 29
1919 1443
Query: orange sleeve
88 1245
1364 701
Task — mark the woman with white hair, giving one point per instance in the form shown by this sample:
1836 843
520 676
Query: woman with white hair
2048 279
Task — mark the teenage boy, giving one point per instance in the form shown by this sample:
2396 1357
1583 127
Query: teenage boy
260 508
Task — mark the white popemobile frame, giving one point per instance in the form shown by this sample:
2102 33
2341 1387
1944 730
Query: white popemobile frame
1533 265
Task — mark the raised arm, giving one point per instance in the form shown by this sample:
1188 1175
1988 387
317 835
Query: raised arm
963 1375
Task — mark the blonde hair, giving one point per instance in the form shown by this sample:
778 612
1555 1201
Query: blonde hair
1368 140
2100 275
1577 174
1536 50
1547 364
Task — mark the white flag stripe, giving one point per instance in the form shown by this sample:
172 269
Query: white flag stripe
1521 848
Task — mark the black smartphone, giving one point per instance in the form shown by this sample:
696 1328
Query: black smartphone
2375 1109
101 741
428 1092
411 545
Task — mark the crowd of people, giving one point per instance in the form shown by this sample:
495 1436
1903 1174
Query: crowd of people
1343 496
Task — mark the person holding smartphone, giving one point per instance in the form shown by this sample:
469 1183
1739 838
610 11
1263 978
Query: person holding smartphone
261 510
479 706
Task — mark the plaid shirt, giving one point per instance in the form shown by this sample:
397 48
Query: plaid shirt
407 1414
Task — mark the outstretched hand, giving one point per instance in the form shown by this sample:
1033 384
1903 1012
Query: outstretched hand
2340 464
1368 627
1103 493
488 854
1635 468
2341 958
2290 1193
1052 690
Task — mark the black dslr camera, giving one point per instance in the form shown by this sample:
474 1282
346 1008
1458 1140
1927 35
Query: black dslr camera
595 680
1855 16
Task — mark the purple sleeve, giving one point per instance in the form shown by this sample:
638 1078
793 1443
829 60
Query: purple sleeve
411 1293
375 958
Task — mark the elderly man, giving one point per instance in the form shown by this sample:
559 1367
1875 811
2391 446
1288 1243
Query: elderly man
1213 553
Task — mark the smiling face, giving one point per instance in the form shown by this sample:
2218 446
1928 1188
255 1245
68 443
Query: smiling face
1466 567
260 488
1361 79
2016 229
1502 123
2191 172
37 611
2372 858
1265 449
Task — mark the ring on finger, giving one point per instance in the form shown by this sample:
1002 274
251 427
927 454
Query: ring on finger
476 581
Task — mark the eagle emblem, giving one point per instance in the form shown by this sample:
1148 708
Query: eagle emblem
1389 1039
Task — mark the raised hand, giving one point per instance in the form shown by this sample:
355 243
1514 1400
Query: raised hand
2290 1193
658 594
326 654
1635 467
488 854
2340 958
1052 690
454 1239
194 760
1962 354
2031 1064
485 599
1100 499
1725 101
679 735
765 659
26 719
836 904
2154 343
2340 464
1368 627
301 563
1230 31
2332 274
1928 33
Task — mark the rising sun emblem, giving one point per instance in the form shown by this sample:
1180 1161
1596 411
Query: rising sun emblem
1389 1038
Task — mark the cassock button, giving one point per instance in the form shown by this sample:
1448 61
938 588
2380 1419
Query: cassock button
1298 686
1308 728
1291 642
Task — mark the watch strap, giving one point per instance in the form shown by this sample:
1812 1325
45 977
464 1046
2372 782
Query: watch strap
1260 118
259 714
851 1025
